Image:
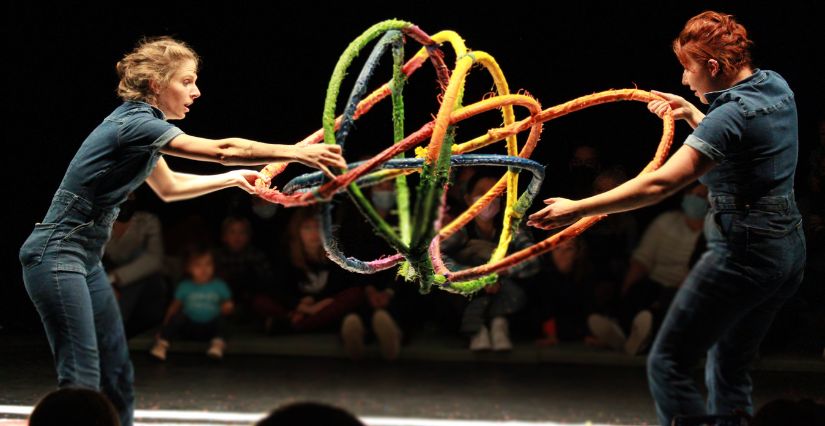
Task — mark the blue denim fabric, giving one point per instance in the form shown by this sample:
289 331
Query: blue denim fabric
61 258
119 154
751 130
756 251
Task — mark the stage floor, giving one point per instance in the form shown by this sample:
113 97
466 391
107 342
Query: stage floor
380 392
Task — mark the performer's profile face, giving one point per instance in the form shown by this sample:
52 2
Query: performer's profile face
175 98
699 79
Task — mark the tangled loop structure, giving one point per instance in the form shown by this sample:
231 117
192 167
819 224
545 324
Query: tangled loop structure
421 230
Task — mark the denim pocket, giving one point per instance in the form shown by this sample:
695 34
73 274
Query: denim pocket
78 235
762 253
31 254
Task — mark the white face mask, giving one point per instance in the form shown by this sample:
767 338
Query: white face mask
266 211
489 212
383 200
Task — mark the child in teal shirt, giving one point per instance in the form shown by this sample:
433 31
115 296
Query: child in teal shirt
199 310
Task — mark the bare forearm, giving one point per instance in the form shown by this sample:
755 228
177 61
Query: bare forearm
684 167
184 186
244 152
644 190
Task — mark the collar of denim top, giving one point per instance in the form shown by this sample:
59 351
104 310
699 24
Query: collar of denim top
130 106
762 92
757 77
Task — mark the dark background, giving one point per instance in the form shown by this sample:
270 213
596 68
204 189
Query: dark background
266 69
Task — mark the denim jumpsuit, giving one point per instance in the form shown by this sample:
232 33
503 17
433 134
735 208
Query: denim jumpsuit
755 257
61 257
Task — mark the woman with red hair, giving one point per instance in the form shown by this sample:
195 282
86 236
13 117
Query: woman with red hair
745 151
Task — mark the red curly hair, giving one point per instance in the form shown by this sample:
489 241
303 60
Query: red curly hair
713 35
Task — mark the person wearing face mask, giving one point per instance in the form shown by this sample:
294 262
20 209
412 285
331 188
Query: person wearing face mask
657 268
133 262
485 319
584 166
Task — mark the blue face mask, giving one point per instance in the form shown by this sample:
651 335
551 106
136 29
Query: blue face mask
383 200
694 206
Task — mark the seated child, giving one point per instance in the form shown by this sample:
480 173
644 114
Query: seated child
241 264
200 306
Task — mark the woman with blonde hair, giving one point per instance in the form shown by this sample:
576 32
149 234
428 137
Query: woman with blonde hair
310 293
745 151
61 258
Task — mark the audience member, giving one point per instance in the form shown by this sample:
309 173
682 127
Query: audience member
610 243
803 318
200 307
383 308
311 293
309 413
74 407
564 294
584 166
496 302
242 265
266 220
133 261
657 268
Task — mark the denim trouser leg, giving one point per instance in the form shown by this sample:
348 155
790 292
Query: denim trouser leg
116 372
723 313
83 325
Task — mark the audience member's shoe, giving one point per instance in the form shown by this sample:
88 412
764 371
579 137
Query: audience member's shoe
640 334
352 332
159 350
500 334
481 340
388 334
606 330
216 350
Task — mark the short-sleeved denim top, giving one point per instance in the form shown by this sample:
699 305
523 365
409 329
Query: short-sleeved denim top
751 130
112 162
119 154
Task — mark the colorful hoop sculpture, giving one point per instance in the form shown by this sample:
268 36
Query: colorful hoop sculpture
420 233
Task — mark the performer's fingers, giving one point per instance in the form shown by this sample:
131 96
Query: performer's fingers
246 186
326 171
337 161
263 177
667 96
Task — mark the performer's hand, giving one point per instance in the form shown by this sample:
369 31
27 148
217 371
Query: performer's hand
559 212
679 106
320 156
245 179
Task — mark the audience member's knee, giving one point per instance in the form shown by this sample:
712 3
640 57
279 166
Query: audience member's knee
310 413
74 407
